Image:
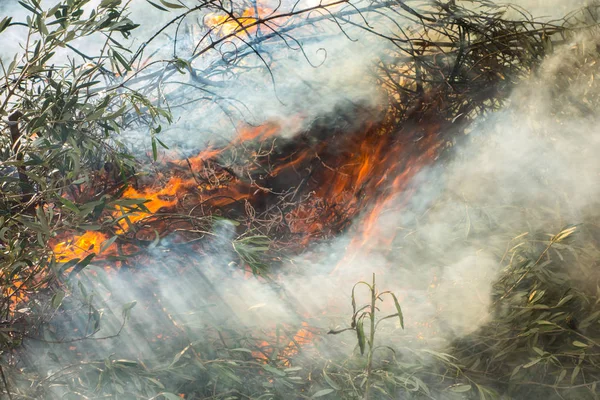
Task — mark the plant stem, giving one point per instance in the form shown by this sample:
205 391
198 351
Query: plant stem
5 383
371 338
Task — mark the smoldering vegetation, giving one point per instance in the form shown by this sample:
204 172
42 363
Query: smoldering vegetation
493 259
491 250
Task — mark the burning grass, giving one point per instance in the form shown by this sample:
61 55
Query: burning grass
201 242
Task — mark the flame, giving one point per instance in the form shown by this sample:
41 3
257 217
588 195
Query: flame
228 24
16 293
154 201
362 174
167 196
91 242
301 338
328 182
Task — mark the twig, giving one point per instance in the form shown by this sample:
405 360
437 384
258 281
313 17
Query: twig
15 134
5 382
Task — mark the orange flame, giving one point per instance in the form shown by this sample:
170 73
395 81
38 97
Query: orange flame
361 173
301 338
16 294
90 242
228 24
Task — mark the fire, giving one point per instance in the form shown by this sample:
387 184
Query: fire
310 187
155 200
361 174
228 24
287 347
16 295
167 196
91 242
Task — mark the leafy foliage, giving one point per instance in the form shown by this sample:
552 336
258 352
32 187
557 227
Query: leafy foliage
62 129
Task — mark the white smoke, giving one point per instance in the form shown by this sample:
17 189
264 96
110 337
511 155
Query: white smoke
445 258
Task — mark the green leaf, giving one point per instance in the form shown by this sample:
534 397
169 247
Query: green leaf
95 115
398 310
574 374
127 363
273 370
561 376
515 371
460 388
5 23
157 6
577 343
127 308
42 26
360 334
121 60
589 320
109 3
331 382
532 363
29 8
96 316
179 355
243 350
169 396
84 85
57 299
538 350
41 216
162 144
564 300
107 243
154 149
81 265
322 393
156 382
171 5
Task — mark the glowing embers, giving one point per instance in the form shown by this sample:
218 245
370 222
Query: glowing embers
283 346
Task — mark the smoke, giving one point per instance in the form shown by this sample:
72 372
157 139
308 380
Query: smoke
538 153
447 248
547 9
324 66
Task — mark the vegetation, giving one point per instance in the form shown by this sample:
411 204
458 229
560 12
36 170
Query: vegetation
66 167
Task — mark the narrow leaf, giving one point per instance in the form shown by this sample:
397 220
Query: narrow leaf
460 388
360 333
322 393
273 370
5 23
399 310
157 6
171 5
